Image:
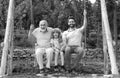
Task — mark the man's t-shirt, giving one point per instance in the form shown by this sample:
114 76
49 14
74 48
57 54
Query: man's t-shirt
42 38
73 38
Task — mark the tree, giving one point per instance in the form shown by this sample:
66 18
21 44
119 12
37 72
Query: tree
114 68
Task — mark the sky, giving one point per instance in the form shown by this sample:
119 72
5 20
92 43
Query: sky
92 1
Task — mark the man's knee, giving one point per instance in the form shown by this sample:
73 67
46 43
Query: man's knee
56 53
61 53
49 51
80 50
39 51
67 49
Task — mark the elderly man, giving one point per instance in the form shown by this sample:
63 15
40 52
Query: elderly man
42 35
73 40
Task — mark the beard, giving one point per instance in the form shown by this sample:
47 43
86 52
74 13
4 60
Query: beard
43 29
72 25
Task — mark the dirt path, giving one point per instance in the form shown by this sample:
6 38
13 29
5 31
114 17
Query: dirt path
34 76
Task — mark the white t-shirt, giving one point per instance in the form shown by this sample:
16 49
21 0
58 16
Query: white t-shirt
73 37
42 38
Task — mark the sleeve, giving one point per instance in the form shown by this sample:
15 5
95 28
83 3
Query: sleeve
32 38
34 32
51 43
64 37
62 46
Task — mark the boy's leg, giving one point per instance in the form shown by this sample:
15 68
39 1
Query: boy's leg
39 56
56 57
49 55
62 58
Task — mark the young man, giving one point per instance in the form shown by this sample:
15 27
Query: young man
73 40
41 36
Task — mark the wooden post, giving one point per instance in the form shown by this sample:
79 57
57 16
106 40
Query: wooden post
105 50
114 68
11 48
6 39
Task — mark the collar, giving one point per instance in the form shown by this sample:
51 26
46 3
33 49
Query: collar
44 31
71 29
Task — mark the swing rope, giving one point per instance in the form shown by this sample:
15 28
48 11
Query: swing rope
31 14
84 4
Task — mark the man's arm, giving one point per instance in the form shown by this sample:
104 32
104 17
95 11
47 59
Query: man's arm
64 41
31 30
31 37
85 21
64 38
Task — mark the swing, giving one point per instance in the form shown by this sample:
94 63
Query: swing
73 54
9 34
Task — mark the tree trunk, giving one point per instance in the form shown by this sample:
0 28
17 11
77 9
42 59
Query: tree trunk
6 39
114 68
105 48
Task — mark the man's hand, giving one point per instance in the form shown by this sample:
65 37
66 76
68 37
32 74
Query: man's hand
85 12
30 31
2 44
31 27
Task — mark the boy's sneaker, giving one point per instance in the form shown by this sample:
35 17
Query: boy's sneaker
56 68
62 68
52 69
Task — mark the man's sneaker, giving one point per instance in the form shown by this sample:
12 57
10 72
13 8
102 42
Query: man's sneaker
48 71
41 72
68 71
74 72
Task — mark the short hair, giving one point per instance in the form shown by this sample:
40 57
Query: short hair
71 17
44 21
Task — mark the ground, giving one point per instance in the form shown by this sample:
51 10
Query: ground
24 65
33 76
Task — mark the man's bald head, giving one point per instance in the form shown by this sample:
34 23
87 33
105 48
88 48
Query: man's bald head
43 24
